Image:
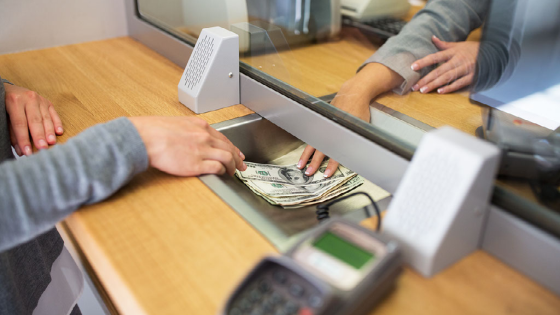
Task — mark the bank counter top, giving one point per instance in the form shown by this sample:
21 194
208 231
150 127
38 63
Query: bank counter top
169 245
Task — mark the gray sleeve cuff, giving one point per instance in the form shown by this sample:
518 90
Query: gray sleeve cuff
450 21
6 81
400 63
127 138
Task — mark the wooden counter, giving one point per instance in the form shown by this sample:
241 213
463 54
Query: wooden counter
168 245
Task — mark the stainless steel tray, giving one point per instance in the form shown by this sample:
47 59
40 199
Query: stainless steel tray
262 142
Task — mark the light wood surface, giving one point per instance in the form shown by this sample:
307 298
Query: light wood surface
321 70
167 245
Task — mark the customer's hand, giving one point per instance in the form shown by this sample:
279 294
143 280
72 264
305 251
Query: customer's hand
30 113
457 70
351 99
187 146
354 98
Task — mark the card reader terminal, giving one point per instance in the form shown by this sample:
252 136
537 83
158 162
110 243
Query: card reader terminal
338 268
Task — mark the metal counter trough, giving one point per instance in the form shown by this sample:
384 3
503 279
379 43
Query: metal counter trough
261 141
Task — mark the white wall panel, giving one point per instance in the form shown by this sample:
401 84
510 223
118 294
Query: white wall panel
35 24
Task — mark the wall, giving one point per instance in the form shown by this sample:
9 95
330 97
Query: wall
35 24
168 12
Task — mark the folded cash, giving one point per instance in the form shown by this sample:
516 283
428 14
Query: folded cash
289 174
289 187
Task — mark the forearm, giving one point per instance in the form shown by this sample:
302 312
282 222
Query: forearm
375 79
448 20
356 94
38 191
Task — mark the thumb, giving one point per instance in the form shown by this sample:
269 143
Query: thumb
441 45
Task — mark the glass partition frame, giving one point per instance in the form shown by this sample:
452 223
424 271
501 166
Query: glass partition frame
502 197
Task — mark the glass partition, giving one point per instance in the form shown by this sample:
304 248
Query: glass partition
311 51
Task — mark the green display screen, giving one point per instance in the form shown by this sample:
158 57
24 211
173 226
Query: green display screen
343 250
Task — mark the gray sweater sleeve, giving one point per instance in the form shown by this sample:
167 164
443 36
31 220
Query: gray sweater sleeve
448 20
38 191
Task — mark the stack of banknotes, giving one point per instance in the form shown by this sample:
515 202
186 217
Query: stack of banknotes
289 187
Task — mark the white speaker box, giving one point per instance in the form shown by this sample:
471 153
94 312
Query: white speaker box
211 78
439 209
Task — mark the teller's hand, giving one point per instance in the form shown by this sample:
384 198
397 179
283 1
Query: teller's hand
354 98
457 70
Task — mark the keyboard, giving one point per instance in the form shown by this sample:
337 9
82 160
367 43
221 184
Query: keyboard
382 28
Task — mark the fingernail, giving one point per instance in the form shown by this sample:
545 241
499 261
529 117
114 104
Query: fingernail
434 36
241 155
414 67
309 171
18 149
51 138
27 150
244 166
299 164
423 89
327 173
43 144
59 129
415 87
440 91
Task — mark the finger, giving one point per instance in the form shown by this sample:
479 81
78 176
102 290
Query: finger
331 168
444 79
315 163
211 167
218 140
35 122
56 120
434 74
47 123
14 141
221 136
19 126
227 146
222 156
458 84
441 45
307 152
206 126
431 59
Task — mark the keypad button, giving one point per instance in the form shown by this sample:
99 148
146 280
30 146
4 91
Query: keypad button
267 308
264 286
280 276
276 298
281 312
254 296
292 308
296 290
245 305
315 301
305 311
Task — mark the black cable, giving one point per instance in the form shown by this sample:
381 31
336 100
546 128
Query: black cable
323 210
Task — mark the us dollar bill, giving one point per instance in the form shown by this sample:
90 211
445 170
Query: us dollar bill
286 190
301 201
289 187
290 174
